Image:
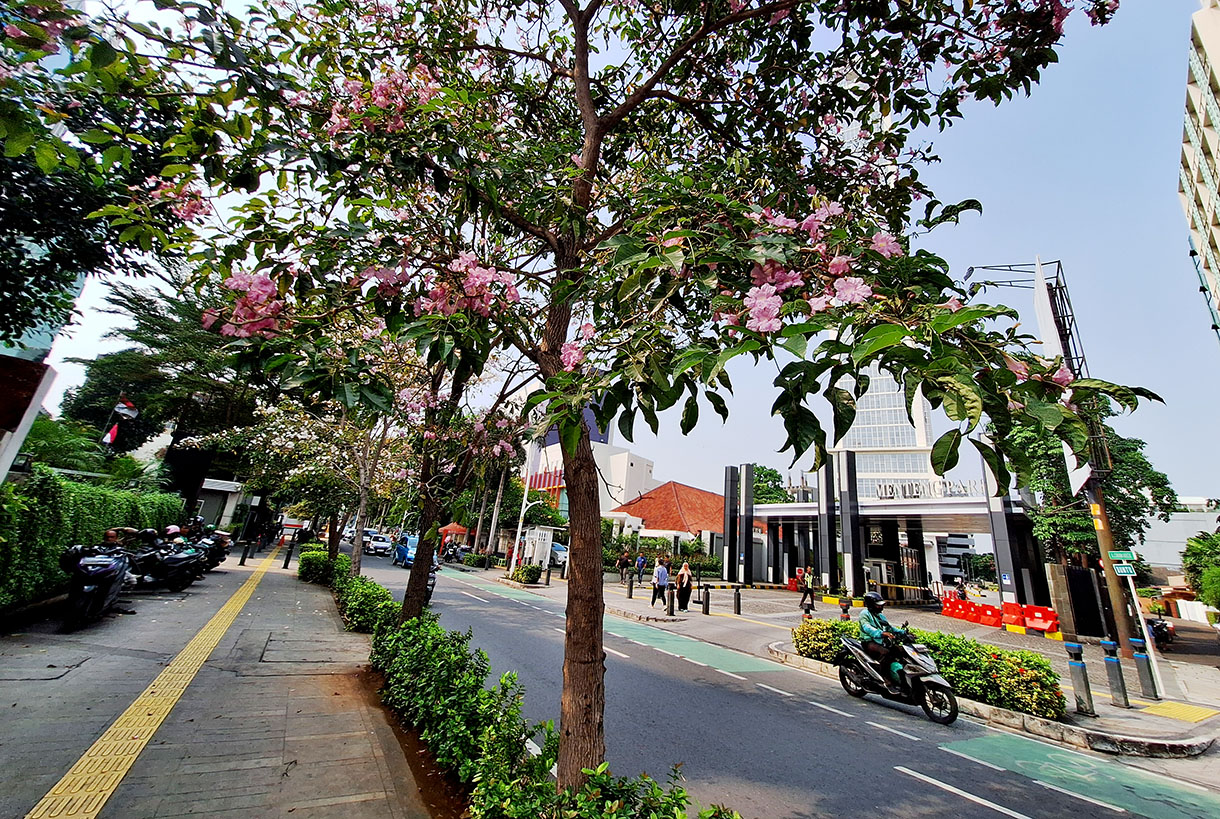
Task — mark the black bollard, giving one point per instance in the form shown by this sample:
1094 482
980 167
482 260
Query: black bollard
1114 671
844 606
707 599
808 608
245 552
669 602
288 557
1144 667
737 600
630 585
563 570
1080 679
548 575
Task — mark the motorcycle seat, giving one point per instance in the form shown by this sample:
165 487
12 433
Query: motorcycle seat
853 642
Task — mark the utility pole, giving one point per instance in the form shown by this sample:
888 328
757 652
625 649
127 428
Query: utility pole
495 514
1114 584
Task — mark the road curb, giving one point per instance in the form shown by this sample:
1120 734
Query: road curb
1046 729
516 585
643 618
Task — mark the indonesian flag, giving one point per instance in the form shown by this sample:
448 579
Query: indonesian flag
125 408
111 436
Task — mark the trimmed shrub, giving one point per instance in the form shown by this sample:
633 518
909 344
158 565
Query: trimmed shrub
48 513
528 573
1209 587
315 567
474 560
1018 680
312 546
360 600
819 639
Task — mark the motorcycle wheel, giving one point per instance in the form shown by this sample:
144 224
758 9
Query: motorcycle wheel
78 614
851 683
180 585
939 704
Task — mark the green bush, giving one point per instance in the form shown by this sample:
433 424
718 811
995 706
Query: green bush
474 560
819 639
1018 680
1148 592
48 513
312 546
315 567
435 682
529 573
1209 587
359 600
706 565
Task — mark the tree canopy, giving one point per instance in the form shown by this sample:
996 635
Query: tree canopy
769 485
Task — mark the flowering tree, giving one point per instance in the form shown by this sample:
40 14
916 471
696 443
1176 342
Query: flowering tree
629 194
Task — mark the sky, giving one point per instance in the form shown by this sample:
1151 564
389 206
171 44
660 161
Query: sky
1084 171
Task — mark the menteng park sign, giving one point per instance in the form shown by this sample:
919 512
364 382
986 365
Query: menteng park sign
916 488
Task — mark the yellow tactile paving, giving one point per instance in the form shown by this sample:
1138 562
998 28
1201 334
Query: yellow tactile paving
1182 711
87 785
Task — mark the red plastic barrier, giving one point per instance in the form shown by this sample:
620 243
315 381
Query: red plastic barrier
973 612
1013 615
1041 618
990 616
791 584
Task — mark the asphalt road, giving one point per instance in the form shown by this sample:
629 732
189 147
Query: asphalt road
771 741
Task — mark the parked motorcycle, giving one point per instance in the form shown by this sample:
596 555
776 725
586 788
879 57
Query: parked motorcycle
1161 630
920 683
454 553
154 563
216 547
96 577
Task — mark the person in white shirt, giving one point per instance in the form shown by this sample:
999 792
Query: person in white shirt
660 582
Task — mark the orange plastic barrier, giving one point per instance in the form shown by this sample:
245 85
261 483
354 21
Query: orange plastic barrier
990 616
1041 618
973 612
1013 615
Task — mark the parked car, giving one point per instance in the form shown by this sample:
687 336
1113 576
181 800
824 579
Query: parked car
559 554
404 551
377 544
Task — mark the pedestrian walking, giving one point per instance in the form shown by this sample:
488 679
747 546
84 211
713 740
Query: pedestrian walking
624 566
686 584
660 582
640 563
806 586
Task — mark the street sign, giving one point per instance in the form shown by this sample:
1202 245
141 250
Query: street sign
1122 555
1123 570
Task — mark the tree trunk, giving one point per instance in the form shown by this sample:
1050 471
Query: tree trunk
493 531
416 597
582 733
478 529
358 541
333 536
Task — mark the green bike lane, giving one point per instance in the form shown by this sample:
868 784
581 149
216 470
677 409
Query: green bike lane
1098 785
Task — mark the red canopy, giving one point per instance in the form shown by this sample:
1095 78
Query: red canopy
454 529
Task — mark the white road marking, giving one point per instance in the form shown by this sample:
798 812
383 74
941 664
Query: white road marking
616 653
475 596
894 731
972 759
832 710
696 662
730 674
663 651
1081 797
556 628
978 800
775 690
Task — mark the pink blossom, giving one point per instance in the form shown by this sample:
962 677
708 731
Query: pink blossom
782 222
1019 368
852 290
818 303
12 31
502 423
1014 405
839 265
764 306
1063 376
886 245
210 317
785 279
779 15
952 305
813 225
586 331
571 355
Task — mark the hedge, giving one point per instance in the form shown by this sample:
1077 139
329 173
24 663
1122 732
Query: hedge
529 573
48 513
1018 680
359 600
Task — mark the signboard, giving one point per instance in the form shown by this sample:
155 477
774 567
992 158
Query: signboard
914 488
1123 570
1122 554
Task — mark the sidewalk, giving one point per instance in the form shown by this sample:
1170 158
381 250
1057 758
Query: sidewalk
769 616
280 720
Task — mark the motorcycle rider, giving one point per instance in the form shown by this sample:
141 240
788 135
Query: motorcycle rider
877 636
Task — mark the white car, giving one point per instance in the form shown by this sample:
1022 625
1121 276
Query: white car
377 544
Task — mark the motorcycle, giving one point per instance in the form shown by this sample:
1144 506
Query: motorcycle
453 553
1161 631
153 564
216 546
920 683
96 577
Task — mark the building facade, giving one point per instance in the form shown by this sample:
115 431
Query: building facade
1198 172
623 476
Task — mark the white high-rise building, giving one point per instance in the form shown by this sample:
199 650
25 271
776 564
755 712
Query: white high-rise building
1199 172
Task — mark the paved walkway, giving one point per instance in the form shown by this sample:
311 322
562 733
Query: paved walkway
278 719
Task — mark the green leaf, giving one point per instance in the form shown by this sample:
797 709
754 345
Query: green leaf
175 170
843 404
102 54
569 434
945 451
995 462
877 339
18 144
690 415
46 156
718 404
629 287
797 345
95 136
626 422
1048 415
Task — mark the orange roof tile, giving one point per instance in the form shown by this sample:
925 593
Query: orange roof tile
676 507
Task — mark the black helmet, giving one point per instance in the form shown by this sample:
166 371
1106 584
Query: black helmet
874 602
